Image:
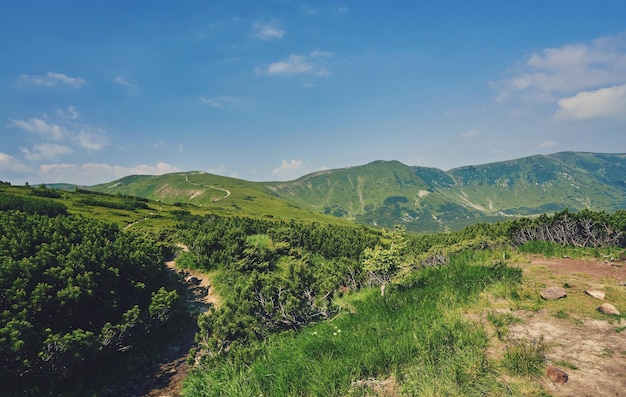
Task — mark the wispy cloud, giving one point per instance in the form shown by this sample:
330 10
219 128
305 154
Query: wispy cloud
52 79
217 102
289 169
46 130
70 113
93 173
314 63
130 87
46 151
10 163
267 31
571 68
471 133
602 103
61 136
91 138
547 144
585 80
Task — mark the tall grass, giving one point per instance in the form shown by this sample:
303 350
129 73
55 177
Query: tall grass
415 334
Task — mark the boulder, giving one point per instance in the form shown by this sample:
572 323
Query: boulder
557 375
553 293
607 308
595 294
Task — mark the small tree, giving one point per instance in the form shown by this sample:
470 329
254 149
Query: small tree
383 263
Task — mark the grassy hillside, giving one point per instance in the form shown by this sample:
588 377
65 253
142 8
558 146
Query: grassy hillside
215 194
426 199
539 184
126 212
385 193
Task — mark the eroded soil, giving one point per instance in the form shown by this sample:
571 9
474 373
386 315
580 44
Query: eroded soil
589 346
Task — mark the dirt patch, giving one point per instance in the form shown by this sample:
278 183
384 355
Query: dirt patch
589 346
597 269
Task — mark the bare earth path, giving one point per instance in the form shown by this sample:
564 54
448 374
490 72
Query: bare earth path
592 344
166 378
226 191
202 297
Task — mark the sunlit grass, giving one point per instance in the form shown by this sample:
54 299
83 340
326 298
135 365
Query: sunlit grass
417 336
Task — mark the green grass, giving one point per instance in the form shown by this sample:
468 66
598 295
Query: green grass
566 364
525 357
416 335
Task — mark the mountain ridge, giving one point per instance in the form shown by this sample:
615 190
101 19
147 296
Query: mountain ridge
386 192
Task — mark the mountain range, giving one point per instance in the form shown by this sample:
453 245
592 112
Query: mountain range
385 193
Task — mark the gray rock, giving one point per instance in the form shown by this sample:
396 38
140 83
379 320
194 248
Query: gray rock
607 308
596 294
553 293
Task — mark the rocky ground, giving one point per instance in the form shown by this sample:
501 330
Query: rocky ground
588 345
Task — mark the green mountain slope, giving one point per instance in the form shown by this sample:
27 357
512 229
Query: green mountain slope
213 193
384 193
539 184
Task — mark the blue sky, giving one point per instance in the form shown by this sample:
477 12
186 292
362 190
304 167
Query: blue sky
91 91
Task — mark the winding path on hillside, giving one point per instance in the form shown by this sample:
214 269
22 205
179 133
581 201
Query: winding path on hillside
209 186
166 378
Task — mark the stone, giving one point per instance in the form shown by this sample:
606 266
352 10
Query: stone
595 294
557 375
553 293
607 308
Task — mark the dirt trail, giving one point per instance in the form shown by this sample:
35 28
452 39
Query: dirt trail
591 345
200 297
166 378
196 194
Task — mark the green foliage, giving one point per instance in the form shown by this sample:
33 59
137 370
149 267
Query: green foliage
525 357
417 334
128 203
383 264
31 205
73 289
43 192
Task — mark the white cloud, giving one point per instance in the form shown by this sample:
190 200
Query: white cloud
90 138
602 103
10 163
308 10
312 63
217 102
131 87
41 127
570 68
471 133
267 31
59 138
52 79
70 113
94 173
210 102
547 144
290 169
46 151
